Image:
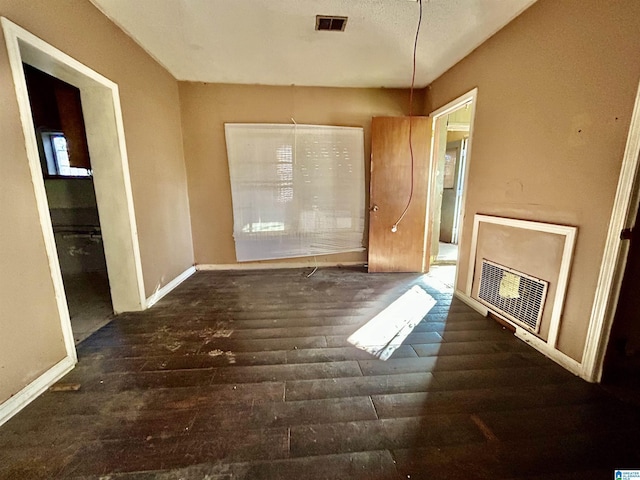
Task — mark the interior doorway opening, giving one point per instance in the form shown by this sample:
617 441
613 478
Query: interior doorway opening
101 110
621 370
621 359
56 109
450 154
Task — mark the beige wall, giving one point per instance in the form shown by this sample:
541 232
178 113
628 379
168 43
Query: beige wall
205 109
30 333
555 93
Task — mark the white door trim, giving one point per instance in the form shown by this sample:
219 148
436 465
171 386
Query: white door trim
460 188
469 97
615 254
107 148
105 136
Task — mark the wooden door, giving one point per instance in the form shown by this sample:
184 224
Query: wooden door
403 250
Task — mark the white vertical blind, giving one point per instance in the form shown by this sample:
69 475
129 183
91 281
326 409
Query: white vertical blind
297 190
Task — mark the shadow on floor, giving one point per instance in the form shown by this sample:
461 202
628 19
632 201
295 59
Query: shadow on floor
89 302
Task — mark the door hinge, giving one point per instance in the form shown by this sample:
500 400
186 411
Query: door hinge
626 234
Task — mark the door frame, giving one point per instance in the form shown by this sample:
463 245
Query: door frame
105 136
102 113
470 97
614 260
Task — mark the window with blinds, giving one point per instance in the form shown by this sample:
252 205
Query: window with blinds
297 190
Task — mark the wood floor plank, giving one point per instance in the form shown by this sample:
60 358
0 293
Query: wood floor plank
127 402
433 364
113 382
463 315
178 346
423 337
524 376
468 348
215 358
382 434
197 333
496 399
465 325
116 382
358 386
531 422
283 414
99 365
370 465
279 321
147 454
163 317
61 430
473 335
277 373
562 456
373 465
338 354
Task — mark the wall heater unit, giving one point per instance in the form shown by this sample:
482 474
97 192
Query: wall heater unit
515 295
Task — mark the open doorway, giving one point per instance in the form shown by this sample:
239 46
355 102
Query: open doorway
451 183
621 370
105 144
56 109
452 129
609 304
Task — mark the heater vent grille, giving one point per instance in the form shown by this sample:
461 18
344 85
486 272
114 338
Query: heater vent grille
516 295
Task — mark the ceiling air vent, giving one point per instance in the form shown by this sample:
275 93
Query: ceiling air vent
325 22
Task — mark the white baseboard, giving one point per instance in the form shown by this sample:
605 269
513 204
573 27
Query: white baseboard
473 303
556 355
36 388
543 347
275 265
161 292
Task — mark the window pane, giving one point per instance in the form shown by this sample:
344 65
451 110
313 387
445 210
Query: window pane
61 158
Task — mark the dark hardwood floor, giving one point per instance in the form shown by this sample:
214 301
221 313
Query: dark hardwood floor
249 375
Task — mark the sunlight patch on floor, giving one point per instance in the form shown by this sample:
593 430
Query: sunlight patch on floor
385 332
441 278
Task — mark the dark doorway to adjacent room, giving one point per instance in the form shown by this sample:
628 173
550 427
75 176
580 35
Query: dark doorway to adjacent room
68 177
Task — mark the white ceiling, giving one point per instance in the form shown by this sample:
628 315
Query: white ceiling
274 42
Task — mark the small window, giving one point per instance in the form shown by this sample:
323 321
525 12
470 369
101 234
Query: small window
331 23
55 156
